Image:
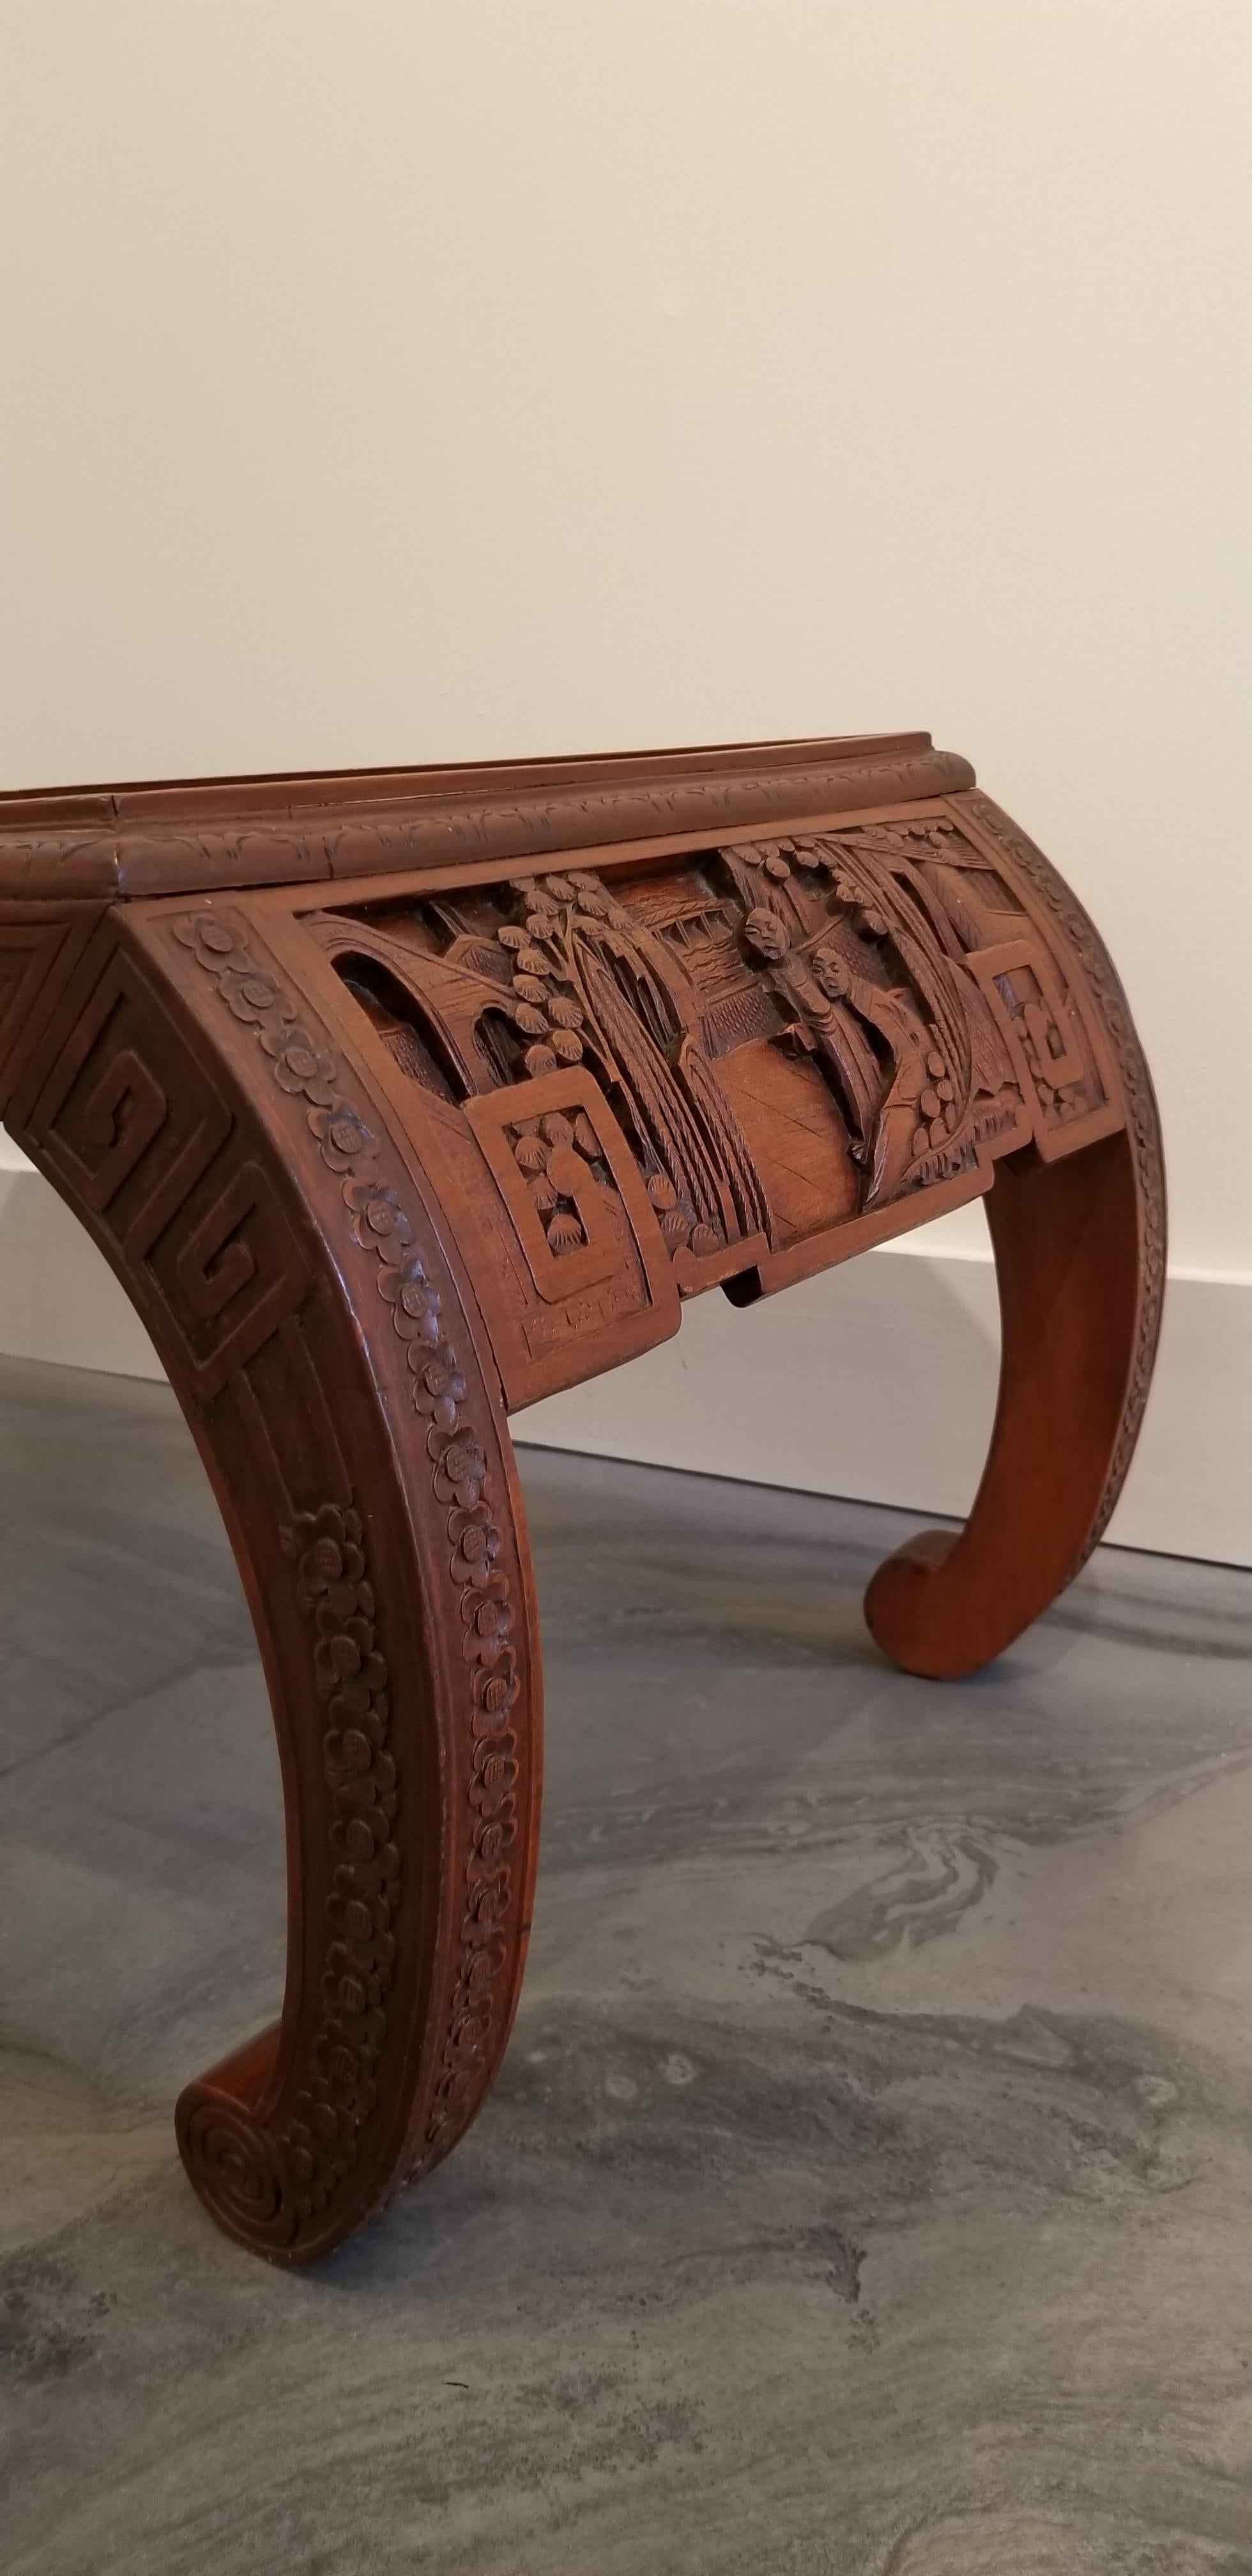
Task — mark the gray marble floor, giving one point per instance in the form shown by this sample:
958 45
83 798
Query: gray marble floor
867 2191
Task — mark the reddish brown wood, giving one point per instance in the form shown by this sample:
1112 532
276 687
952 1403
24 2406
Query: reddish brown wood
1068 1266
1080 1264
392 1114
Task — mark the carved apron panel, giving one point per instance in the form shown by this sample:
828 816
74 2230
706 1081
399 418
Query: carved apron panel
737 1067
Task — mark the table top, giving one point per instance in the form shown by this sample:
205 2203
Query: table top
188 835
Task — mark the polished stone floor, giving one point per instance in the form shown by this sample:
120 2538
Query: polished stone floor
868 2190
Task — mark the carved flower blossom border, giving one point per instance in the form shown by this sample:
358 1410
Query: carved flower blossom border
350 1672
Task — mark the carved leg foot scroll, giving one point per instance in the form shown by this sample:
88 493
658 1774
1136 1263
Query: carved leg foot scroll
1079 1278
1080 1271
297 1279
1079 1248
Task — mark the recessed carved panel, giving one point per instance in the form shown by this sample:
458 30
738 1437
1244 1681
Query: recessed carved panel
588 1230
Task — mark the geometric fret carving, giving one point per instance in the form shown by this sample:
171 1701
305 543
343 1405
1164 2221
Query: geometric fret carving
131 1125
39 947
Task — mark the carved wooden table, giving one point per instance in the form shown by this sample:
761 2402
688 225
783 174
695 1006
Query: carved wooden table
398 1100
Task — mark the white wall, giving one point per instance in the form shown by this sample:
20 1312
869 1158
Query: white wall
493 376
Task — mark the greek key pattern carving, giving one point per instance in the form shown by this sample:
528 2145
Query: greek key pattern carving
350 1671
1142 1124
127 1118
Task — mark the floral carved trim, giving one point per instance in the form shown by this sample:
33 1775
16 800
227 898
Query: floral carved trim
350 1672
189 852
351 1678
1143 1126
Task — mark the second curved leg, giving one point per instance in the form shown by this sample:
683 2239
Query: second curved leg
1079 1303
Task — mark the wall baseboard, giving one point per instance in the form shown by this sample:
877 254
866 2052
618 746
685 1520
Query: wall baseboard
878 1380
875 1381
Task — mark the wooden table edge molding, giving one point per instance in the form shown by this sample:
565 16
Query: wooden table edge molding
399 1098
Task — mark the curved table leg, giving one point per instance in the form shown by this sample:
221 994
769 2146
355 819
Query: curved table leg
1078 1268
276 1235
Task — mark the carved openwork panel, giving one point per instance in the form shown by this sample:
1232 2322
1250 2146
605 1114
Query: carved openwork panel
736 1066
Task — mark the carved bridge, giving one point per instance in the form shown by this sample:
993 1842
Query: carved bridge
398 1100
